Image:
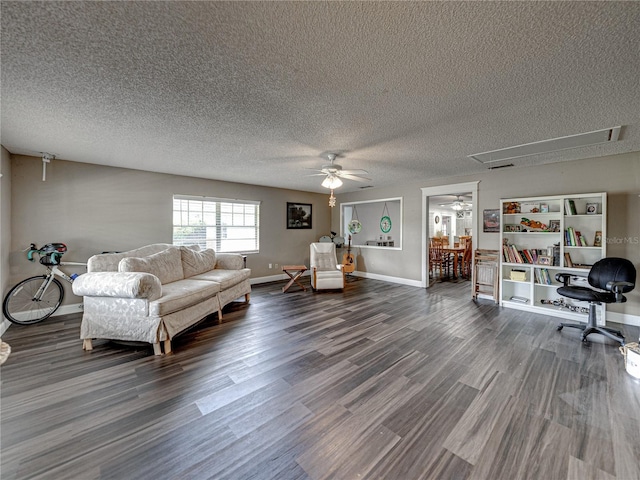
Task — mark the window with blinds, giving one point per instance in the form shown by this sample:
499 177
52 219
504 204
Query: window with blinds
222 224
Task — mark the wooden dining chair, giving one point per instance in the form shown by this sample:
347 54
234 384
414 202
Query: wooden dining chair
439 261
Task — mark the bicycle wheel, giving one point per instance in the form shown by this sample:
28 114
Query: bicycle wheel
21 305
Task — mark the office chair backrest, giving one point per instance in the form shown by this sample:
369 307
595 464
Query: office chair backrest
612 269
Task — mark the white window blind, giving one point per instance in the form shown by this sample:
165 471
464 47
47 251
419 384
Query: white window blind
222 224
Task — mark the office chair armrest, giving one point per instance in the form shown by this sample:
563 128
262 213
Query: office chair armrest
616 287
564 278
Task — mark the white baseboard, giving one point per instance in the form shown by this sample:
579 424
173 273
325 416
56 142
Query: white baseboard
387 278
274 278
67 309
63 310
623 318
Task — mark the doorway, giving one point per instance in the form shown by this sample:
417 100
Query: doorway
432 200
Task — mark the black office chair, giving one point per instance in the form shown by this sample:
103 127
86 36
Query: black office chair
614 275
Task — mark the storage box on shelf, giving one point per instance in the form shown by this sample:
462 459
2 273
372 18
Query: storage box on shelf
543 236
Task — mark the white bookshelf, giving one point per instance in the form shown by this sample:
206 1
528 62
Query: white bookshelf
535 237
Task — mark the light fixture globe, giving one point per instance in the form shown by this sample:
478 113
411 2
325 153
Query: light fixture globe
331 182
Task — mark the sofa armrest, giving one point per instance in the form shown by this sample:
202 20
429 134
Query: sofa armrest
118 284
229 261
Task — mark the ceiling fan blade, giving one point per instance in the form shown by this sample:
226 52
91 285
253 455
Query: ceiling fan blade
354 172
316 175
353 177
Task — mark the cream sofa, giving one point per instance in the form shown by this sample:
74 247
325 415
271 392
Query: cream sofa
153 293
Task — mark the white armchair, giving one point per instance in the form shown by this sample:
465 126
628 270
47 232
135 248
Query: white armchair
326 272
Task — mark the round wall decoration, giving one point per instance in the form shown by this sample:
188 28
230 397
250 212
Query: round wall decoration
385 224
355 226
385 221
436 219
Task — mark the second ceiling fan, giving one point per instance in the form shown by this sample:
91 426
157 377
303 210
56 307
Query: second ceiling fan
457 204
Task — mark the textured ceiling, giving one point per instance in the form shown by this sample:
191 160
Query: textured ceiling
256 92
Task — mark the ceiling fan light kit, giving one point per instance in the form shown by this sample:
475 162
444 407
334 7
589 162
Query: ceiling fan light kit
331 182
334 175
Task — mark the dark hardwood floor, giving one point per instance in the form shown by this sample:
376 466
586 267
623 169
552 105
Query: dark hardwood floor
381 381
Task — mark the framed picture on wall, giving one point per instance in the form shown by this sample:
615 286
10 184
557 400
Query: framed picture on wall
491 220
298 215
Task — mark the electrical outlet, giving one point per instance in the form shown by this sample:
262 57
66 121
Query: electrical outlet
271 265
276 265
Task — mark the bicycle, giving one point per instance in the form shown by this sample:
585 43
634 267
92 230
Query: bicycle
37 298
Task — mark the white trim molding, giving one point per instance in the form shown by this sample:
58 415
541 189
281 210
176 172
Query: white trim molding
444 190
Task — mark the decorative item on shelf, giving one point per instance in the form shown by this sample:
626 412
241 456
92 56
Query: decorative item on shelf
592 208
544 260
554 226
518 299
559 302
385 221
518 275
529 207
534 225
512 207
597 239
544 208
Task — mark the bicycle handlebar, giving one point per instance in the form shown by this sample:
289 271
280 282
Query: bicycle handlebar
51 251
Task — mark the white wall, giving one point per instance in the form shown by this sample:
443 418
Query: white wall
619 175
5 222
94 208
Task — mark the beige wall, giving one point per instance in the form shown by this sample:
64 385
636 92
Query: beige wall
617 175
5 219
94 208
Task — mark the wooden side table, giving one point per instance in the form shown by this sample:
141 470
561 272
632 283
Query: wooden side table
294 272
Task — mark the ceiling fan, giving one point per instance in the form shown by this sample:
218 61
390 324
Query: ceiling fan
457 204
335 174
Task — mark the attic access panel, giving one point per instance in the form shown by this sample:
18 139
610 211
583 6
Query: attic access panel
492 158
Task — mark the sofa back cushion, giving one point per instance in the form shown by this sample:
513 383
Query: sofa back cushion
166 265
195 263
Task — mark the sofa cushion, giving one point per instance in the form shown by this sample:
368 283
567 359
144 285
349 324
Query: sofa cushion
182 294
194 263
226 278
166 265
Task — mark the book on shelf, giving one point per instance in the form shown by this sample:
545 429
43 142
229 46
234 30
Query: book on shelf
567 260
569 207
519 299
542 276
511 254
